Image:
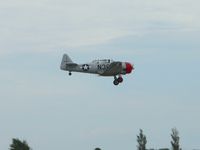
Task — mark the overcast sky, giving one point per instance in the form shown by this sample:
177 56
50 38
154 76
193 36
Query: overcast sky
43 105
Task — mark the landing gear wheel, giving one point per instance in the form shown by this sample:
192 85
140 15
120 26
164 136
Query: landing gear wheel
120 79
70 73
115 82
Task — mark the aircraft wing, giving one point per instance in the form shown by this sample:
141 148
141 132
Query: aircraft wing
113 68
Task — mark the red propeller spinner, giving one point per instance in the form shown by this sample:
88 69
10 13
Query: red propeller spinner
129 67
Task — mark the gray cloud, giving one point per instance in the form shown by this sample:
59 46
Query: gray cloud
48 25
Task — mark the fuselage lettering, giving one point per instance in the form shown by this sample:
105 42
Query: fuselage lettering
102 66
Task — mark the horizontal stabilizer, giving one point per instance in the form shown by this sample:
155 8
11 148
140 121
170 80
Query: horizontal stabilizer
71 64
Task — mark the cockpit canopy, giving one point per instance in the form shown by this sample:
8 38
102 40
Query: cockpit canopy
103 61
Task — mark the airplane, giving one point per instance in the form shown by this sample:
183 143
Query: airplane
102 67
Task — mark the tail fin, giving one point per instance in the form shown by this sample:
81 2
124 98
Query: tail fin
65 60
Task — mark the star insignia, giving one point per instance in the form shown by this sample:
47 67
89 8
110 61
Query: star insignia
85 67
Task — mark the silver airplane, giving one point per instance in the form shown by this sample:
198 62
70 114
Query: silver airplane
104 67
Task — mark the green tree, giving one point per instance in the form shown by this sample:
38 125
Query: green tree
19 145
142 141
97 149
175 139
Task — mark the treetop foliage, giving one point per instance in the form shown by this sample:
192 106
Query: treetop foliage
175 139
19 145
142 141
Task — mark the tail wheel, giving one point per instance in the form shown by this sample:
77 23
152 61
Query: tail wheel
70 73
115 82
120 79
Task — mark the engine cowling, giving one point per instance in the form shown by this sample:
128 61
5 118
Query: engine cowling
127 68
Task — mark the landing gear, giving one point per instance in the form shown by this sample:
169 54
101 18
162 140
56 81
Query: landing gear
117 80
120 79
70 73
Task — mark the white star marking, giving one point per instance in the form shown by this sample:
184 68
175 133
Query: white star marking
85 67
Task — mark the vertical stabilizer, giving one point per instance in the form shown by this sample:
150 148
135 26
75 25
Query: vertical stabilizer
66 59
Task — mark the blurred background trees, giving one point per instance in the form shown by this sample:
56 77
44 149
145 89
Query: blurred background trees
19 145
175 139
142 141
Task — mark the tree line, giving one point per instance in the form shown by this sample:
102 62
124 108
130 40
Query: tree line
141 140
